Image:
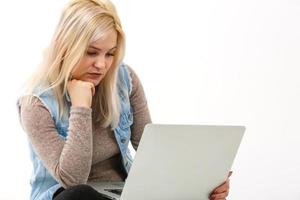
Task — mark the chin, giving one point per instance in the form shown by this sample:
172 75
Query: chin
96 82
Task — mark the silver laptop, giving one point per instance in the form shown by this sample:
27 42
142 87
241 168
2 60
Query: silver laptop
178 162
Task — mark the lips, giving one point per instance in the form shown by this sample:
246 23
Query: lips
94 74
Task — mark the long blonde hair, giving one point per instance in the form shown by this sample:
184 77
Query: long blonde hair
82 22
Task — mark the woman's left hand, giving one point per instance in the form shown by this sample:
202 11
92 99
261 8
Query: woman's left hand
222 191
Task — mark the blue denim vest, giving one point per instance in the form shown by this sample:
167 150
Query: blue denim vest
42 183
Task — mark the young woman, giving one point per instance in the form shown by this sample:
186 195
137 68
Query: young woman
83 106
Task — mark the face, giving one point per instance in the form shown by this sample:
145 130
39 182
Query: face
97 59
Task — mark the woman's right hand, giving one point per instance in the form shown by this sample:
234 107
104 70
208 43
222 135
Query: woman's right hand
81 92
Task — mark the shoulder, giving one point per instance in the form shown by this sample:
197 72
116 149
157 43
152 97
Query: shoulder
30 101
134 78
126 69
30 107
137 87
128 77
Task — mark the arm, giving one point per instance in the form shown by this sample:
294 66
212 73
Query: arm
69 161
141 115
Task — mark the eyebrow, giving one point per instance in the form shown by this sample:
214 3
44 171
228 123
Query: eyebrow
101 49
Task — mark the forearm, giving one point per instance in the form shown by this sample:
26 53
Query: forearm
76 157
69 161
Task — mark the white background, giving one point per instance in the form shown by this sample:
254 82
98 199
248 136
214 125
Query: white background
201 62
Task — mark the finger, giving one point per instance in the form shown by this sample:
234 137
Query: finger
222 188
222 195
230 173
70 84
92 88
218 199
70 77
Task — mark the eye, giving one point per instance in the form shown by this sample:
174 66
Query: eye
90 53
110 54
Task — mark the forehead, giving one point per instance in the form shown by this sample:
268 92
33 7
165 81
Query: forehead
107 41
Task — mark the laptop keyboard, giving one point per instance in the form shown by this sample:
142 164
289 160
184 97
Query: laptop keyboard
115 191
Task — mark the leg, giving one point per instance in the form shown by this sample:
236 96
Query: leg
78 192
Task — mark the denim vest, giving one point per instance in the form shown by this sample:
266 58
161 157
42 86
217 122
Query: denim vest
43 185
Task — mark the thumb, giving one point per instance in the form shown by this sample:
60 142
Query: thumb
230 173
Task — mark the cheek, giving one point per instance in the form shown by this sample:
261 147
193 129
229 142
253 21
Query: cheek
77 71
80 69
110 61
108 65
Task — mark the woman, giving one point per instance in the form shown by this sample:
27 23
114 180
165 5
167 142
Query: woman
84 106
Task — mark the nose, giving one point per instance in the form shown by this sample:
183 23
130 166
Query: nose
100 62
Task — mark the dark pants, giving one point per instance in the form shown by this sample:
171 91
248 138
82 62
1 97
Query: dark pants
78 192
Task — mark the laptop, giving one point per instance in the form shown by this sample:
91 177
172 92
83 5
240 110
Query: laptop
177 162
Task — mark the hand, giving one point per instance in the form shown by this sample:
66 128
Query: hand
81 92
222 191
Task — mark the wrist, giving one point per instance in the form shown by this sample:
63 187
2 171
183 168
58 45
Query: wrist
80 110
85 105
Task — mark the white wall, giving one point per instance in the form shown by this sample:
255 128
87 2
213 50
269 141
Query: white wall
201 62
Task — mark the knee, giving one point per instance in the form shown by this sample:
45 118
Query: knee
79 192
81 189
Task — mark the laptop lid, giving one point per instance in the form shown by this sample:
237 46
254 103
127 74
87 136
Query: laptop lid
181 161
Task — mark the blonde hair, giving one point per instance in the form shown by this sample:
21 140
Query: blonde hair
82 22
